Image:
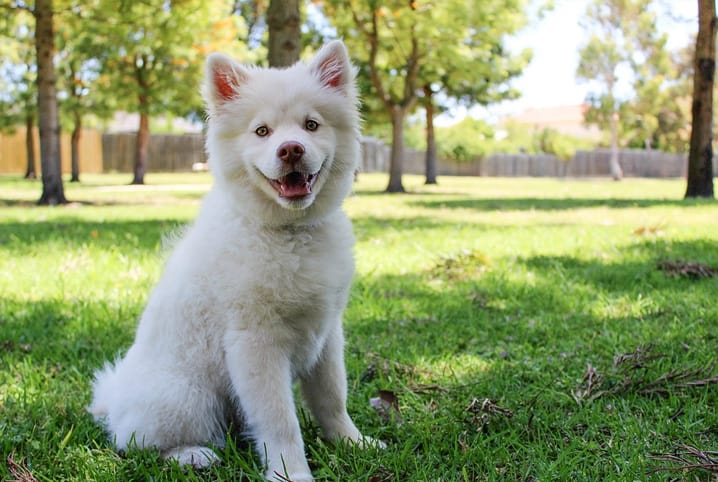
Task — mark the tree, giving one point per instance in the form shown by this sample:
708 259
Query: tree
607 48
392 41
625 40
152 58
470 65
18 77
79 71
396 47
654 117
700 155
283 20
430 157
422 50
53 191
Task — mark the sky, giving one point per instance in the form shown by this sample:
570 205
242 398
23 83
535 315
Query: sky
550 78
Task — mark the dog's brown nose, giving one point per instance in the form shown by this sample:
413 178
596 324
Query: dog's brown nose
290 152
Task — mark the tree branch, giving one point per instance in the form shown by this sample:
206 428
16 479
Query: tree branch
412 73
373 38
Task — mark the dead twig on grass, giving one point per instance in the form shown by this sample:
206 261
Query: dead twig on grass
18 470
485 410
631 372
687 457
591 380
687 269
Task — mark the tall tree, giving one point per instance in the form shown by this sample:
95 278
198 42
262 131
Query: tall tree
79 71
470 65
411 51
650 116
627 53
284 21
152 59
53 191
392 43
430 155
700 155
18 81
600 58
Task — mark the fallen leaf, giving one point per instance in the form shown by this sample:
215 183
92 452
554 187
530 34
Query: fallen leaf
387 406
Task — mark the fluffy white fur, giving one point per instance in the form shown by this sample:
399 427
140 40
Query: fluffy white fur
253 294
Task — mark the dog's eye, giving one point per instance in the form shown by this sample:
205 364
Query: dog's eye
262 131
311 125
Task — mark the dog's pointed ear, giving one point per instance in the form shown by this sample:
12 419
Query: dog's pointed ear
223 76
332 67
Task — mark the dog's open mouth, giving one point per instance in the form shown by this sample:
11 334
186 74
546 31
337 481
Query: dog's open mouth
294 185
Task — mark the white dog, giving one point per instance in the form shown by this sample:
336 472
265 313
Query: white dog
253 294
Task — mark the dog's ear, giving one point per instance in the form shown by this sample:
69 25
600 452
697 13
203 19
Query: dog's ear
223 76
332 67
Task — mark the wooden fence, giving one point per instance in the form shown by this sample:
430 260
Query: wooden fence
13 151
166 153
635 163
116 152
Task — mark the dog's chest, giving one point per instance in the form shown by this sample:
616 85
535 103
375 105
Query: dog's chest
294 277
292 286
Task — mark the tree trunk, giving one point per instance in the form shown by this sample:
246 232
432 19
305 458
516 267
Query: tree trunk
143 142
397 150
615 164
283 20
700 154
430 138
75 149
53 191
30 172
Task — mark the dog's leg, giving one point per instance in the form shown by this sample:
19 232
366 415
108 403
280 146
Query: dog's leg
325 392
262 378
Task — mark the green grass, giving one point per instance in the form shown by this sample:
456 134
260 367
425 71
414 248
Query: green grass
503 289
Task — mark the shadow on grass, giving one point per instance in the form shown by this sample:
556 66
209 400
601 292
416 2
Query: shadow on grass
435 316
147 234
521 342
563 303
17 203
367 227
408 194
554 204
69 232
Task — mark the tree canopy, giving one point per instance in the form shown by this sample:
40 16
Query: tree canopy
153 55
406 48
637 91
420 56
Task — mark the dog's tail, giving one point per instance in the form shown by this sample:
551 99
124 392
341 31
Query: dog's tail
102 389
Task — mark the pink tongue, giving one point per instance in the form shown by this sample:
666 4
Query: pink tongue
295 185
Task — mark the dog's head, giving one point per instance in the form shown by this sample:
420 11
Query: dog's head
286 140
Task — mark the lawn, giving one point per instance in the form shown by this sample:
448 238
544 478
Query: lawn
498 329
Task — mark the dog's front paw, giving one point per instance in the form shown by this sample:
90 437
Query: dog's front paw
196 456
366 442
275 476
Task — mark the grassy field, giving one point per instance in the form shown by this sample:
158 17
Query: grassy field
506 329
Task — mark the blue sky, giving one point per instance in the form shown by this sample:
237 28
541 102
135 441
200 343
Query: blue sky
555 40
